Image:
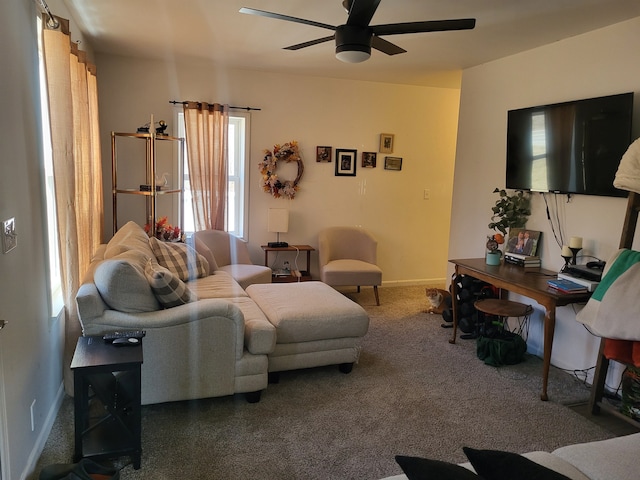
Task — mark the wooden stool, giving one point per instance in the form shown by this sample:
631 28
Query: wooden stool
504 309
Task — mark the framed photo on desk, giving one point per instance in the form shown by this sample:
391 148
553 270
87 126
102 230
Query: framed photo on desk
523 241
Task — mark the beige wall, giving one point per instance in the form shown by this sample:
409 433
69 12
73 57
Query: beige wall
316 111
599 63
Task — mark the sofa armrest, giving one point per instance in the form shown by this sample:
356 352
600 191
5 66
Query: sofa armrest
89 302
160 321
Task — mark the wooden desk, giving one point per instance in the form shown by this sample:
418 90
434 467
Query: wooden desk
529 282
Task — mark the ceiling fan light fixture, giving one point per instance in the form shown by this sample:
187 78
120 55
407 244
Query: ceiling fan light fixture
352 54
353 43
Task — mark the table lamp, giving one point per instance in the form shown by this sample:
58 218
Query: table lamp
278 221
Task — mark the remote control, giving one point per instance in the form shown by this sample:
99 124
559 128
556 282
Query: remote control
111 336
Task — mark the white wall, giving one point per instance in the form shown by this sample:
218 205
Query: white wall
315 111
31 345
599 63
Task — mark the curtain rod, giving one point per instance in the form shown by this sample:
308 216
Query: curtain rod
53 22
235 108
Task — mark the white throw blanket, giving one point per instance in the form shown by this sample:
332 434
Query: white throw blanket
628 174
613 310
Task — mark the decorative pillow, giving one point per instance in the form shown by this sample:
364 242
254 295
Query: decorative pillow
130 236
168 288
498 465
416 468
206 252
124 287
180 258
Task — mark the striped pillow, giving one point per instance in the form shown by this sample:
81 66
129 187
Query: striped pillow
180 258
168 289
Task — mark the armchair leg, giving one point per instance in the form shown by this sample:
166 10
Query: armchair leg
375 290
358 288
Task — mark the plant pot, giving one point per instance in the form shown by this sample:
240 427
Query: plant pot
493 258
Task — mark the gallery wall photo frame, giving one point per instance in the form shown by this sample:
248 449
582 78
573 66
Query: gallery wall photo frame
346 162
392 163
386 142
323 154
369 159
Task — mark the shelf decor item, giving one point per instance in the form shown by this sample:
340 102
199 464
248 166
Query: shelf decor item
270 182
493 246
164 231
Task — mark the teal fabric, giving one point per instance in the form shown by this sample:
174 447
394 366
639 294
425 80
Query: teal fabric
624 262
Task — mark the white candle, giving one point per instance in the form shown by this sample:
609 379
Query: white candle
566 251
575 242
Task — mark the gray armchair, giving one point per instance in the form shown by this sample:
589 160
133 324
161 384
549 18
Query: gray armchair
230 254
347 256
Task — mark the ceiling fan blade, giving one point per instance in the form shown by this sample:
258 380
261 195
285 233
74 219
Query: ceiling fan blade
361 11
386 47
427 26
310 43
278 16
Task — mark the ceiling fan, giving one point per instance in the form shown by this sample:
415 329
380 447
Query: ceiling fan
355 38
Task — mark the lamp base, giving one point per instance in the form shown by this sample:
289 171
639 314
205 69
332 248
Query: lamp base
277 244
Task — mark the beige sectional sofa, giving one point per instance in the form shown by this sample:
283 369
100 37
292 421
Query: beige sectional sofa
611 459
205 335
214 342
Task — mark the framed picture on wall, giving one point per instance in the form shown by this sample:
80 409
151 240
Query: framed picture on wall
392 163
386 143
323 154
369 159
346 162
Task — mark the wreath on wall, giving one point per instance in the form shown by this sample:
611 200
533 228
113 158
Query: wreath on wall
270 181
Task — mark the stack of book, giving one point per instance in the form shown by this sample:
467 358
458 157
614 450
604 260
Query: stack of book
522 260
159 188
567 286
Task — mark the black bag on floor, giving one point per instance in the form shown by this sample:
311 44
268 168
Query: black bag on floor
502 348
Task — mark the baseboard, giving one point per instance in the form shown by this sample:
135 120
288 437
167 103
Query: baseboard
427 282
44 433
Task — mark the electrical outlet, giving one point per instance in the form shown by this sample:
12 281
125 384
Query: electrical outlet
9 236
427 194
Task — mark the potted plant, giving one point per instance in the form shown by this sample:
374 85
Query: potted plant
509 211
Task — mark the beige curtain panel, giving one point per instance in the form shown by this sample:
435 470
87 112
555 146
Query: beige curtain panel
206 127
73 112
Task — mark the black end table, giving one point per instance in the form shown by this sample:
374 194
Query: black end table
107 400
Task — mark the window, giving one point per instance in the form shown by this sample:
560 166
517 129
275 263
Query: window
55 283
237 192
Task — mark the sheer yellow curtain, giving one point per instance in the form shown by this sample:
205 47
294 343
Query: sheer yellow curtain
206 131
73 112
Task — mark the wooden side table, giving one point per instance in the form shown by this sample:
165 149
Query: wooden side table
305 274
107 400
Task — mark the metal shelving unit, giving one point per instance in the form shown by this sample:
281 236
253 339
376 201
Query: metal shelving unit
154 191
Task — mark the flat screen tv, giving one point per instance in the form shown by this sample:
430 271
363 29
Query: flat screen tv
570 147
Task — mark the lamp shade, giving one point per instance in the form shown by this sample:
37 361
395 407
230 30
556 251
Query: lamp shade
278 220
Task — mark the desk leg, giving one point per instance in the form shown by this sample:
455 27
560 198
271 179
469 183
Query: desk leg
454 306
549 327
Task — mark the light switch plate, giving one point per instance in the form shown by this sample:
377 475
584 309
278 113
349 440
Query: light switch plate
9 236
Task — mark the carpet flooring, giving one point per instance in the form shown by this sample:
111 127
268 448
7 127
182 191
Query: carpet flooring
412 393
